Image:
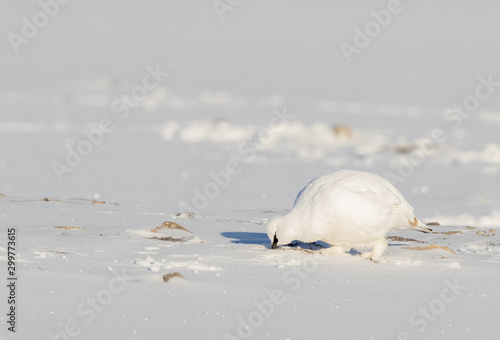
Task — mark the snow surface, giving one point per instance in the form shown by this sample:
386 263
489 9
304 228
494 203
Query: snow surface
246 114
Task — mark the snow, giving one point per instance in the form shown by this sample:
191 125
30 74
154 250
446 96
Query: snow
116 117
229 268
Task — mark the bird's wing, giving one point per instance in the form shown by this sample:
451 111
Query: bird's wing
375 189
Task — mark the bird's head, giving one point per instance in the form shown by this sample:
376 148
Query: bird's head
278 233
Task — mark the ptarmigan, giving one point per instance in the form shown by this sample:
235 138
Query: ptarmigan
346 209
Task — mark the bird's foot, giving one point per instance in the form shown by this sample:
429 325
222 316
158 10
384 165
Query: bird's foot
370 257
378 250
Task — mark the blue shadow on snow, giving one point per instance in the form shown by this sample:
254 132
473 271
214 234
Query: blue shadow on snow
247 237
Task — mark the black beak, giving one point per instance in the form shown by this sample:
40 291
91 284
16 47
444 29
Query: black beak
275 242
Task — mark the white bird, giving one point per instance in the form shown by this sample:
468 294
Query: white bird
346 209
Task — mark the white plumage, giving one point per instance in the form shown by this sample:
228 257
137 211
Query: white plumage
346 209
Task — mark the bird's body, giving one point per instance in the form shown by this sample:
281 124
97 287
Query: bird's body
346 209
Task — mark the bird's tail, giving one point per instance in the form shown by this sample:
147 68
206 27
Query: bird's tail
419 226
